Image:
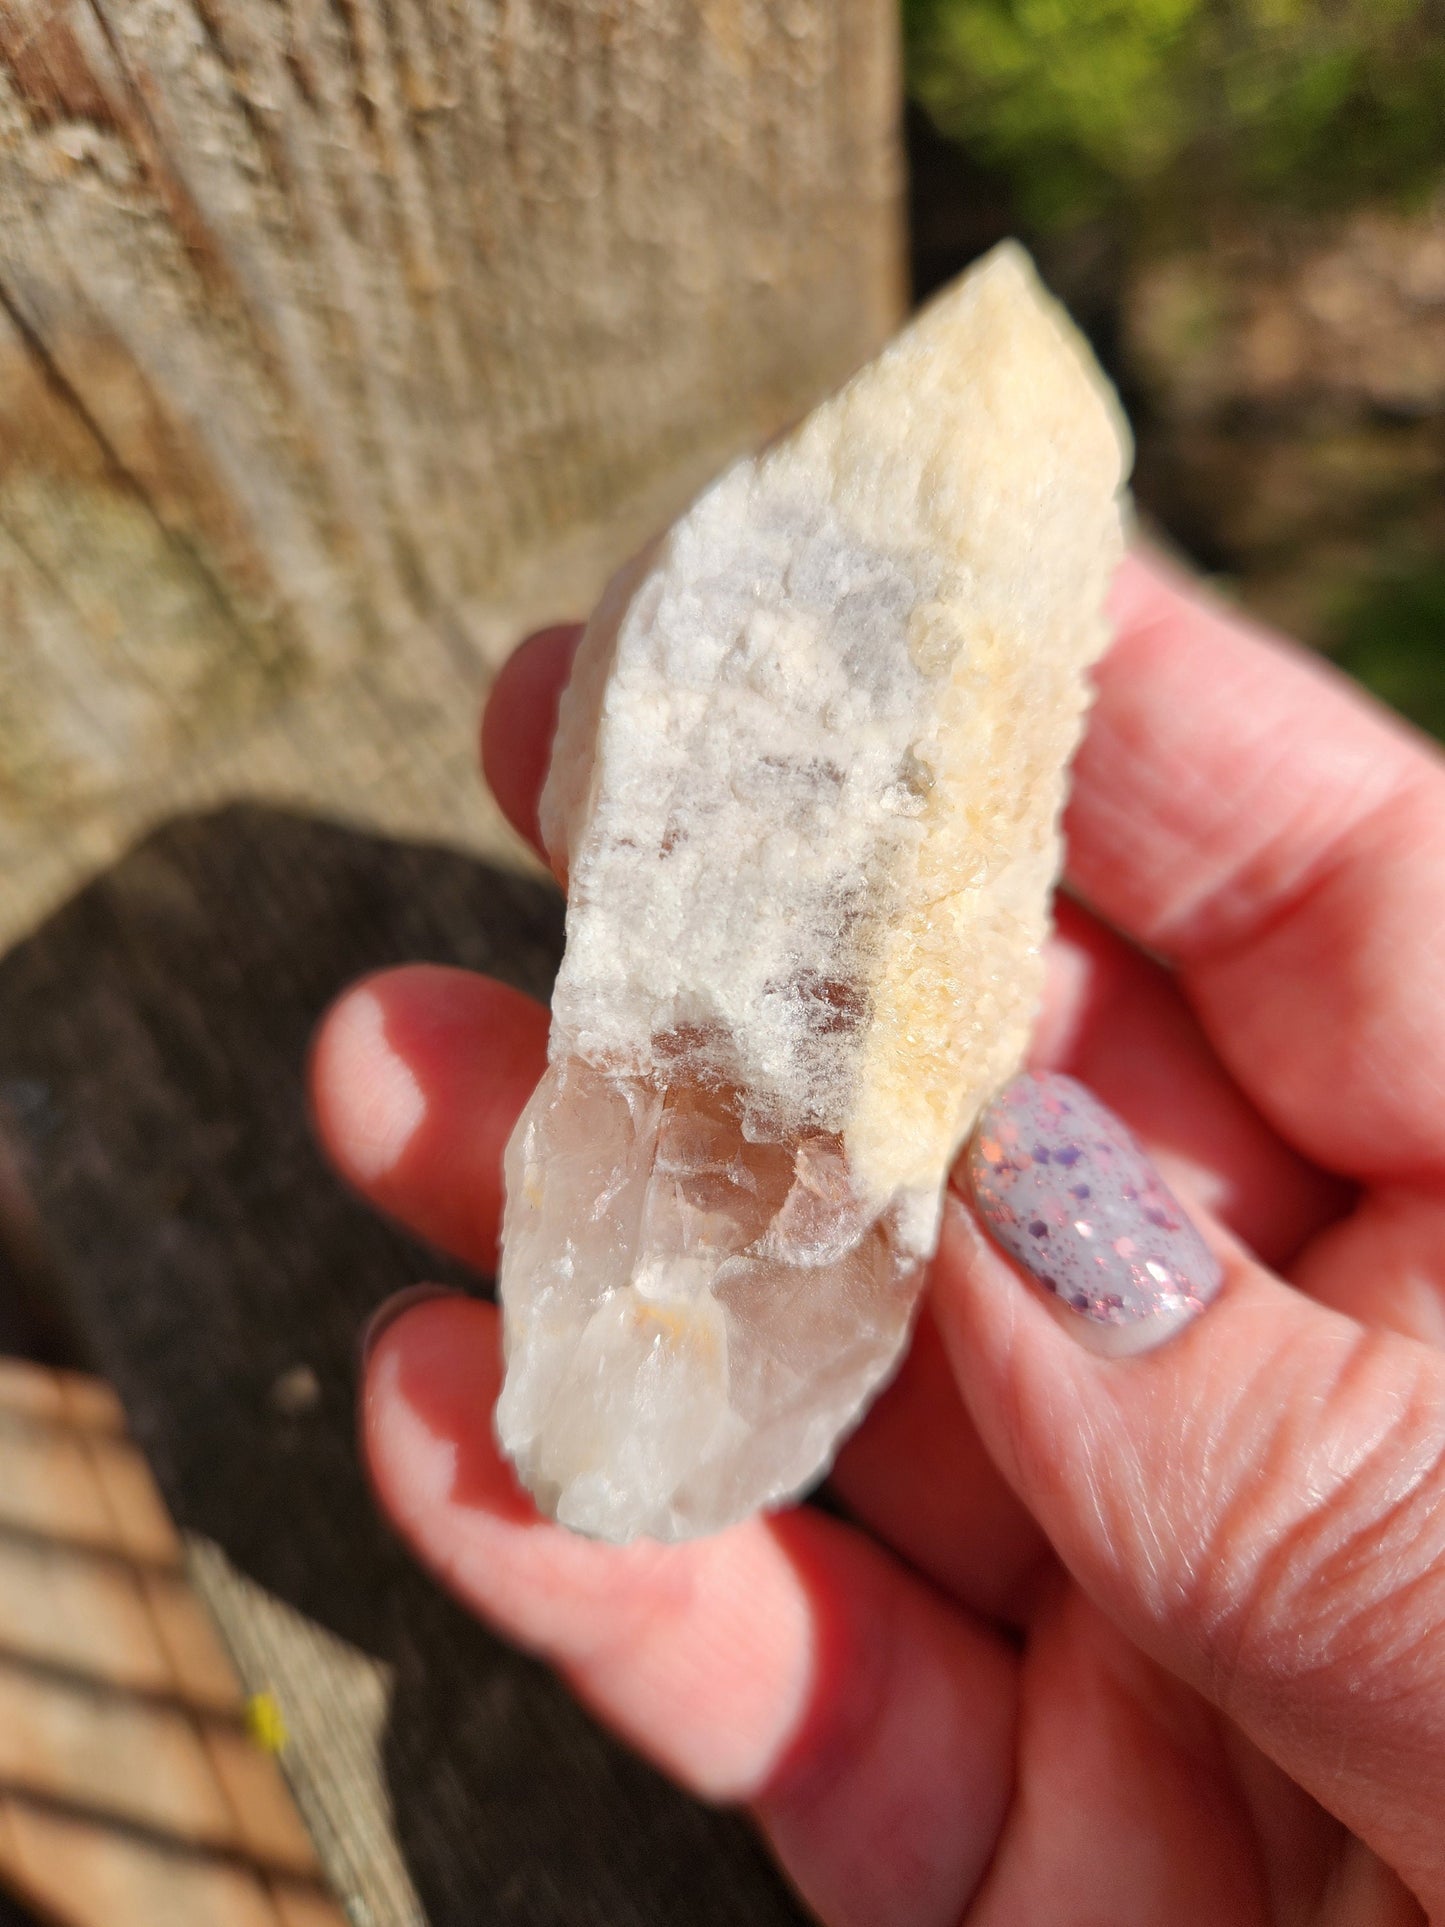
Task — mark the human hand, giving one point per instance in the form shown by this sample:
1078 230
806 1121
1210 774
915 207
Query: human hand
1158 1638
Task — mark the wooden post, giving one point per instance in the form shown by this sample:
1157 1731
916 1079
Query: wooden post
335 340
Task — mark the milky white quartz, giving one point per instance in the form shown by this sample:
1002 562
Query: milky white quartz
805 791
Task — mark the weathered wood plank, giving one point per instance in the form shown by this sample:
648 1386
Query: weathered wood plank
125 1799
334 340
78 1615
335 1699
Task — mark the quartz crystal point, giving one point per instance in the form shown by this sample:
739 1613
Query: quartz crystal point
805 790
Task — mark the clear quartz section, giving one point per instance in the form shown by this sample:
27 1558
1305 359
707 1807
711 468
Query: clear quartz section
697 1307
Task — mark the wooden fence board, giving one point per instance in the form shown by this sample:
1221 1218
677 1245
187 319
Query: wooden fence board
127 1798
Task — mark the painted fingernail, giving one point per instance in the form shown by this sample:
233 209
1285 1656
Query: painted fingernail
390 1309
1068 1192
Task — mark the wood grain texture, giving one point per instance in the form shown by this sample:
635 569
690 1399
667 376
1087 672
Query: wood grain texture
152 1041
337 337
131 1792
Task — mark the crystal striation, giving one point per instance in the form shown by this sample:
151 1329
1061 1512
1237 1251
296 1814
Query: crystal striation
805 793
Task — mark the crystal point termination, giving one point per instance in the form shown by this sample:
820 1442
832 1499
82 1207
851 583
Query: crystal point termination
805 791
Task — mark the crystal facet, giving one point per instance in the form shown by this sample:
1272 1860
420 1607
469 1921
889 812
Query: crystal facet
805 791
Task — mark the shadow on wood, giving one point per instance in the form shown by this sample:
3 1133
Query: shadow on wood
134 1786
152 1044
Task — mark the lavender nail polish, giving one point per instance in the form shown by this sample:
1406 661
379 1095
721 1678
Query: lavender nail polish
1065 1188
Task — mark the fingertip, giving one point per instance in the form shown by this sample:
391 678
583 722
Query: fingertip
432 1374
365 1099
1147 582
417 1077
391 1309
520 720
1132 588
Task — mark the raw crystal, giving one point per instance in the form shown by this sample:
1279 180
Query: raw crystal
805 790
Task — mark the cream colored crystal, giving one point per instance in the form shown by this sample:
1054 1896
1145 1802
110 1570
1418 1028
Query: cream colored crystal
805 788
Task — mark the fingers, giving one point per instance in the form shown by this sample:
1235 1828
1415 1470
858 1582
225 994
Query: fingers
916 1471
1116 1020
1259 1503
520 720
917 1475
417 1077
1127 1811
785 1663
1242 809
1384 1264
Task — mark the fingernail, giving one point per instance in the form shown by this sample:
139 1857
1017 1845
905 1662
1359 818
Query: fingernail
1068 1192
390 1309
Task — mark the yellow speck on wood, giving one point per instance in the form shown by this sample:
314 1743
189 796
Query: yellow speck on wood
265 1722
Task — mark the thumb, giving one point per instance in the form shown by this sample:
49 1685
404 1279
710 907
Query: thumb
1259 1502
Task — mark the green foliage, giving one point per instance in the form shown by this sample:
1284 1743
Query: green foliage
1095 106
1392 637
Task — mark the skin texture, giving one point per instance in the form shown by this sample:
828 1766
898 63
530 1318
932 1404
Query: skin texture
1141 1639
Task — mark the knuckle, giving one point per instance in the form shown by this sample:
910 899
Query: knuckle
1327 1563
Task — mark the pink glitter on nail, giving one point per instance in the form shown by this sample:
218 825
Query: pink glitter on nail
1134 1268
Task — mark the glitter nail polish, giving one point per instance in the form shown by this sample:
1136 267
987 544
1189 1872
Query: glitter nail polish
1065 1188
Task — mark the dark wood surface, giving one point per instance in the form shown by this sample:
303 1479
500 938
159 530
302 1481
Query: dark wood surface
152 1045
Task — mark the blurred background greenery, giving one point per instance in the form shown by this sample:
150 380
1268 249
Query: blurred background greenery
1244 201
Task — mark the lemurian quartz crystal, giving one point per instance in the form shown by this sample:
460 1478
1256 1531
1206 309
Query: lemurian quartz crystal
805 791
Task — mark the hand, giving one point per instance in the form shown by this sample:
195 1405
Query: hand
1148 1639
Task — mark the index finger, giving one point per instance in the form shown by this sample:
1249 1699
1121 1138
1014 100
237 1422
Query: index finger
1243 809
520 720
